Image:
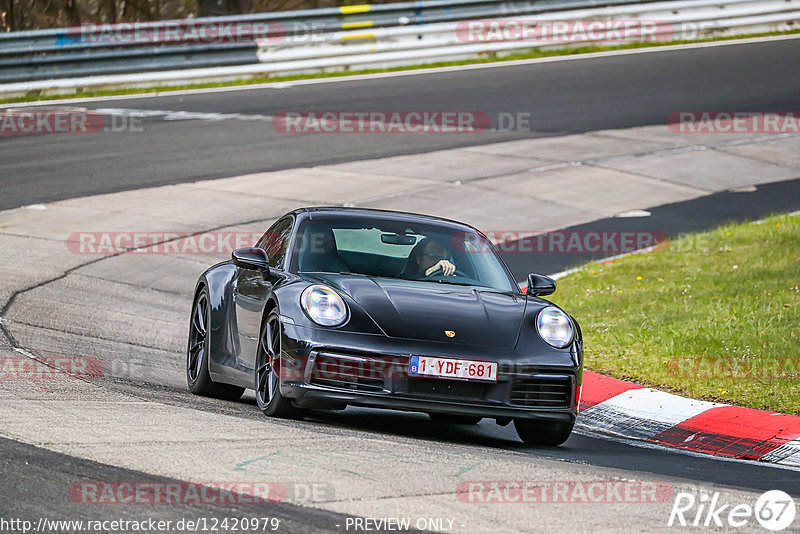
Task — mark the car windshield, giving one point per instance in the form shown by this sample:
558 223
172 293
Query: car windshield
398 249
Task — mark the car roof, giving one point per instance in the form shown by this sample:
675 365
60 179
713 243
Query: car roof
377 213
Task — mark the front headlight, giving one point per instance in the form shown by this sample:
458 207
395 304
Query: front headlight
555 327
324 306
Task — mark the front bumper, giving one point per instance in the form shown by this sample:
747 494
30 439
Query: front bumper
324 368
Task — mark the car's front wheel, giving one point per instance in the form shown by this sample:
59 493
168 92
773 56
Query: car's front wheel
267 375
546 433
198 351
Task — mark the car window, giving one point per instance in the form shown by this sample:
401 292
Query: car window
368 240
393 249
275 242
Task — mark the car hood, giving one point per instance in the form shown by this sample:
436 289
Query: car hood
428 311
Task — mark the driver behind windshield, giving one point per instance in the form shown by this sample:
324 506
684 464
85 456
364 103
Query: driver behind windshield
428 257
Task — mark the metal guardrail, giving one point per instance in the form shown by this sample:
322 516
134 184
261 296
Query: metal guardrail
331 19
59 60
675 20
86 51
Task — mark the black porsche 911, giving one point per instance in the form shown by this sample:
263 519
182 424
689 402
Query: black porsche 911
343 306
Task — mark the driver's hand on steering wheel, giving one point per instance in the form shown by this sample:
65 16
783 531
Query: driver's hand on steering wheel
447 268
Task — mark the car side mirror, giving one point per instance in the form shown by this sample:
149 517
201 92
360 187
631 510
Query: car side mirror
540 285
251 258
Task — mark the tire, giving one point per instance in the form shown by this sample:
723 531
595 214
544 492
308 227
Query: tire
269 398
447 419
543 433
198 350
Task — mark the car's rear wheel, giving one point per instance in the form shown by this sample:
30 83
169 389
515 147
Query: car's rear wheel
454 419
543 432
267 376
197 353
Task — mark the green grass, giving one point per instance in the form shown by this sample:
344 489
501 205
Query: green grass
714 315
490 58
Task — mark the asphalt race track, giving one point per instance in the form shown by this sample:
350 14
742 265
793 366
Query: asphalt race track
44 477
562 98
673 219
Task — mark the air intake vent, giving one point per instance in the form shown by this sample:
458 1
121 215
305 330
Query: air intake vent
348 372
542 391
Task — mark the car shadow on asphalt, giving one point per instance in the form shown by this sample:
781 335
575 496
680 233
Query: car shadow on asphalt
419 426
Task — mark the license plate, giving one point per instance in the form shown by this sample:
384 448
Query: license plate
449 368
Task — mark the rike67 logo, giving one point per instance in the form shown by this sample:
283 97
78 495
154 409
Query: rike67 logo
774 510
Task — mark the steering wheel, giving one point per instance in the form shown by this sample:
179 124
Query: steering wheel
455 274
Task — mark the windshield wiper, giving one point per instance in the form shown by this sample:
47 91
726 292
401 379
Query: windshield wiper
453 283
332 272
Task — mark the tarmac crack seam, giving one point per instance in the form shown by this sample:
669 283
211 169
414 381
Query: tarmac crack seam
721 150
136 286
701 190
517 194
15 345
87 335
584 163
37 237
666 152
398 194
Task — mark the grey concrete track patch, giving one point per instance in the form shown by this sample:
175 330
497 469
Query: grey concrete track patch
783 152
711 170
571 147
449 165
564 186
